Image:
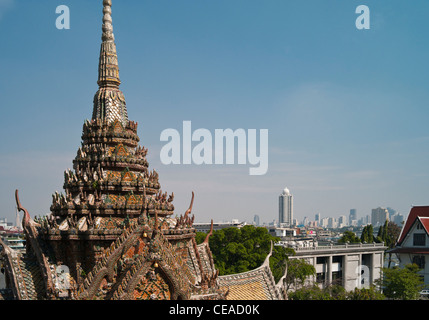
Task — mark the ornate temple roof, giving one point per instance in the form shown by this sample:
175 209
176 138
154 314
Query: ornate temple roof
257 284
111 235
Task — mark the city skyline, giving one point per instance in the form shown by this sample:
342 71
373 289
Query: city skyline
345 108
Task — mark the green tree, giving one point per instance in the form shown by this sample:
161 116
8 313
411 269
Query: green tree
335 292
349 237
279 261
370 293
388 233
309 293
367 234
298 271
314 292
402 283
200 237
238 250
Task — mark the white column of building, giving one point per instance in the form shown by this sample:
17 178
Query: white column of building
344 270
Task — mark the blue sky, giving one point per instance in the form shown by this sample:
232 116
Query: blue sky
346 109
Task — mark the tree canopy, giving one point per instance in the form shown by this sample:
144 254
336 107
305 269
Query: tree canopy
335 292
238 250
298 271
367 235
349 237
402 283
388 233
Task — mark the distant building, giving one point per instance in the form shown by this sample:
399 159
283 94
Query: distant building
306 221
349 265
379 216
391 211
332 222
353 214
413 241
364 221
205 226
324 222
285 208
284 232
342 221
397 218
5 224
256 220
353 220
317 218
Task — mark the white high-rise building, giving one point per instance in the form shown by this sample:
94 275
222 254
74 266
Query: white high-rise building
285 208
379 216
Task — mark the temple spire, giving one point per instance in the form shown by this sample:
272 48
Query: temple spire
109 101
107 21
108 70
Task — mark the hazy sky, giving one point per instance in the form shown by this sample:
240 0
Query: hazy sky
346 109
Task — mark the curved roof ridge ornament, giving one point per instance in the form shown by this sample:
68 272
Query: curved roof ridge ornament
267 259
206 240
26 219
281 284
31 233
188 212
6 250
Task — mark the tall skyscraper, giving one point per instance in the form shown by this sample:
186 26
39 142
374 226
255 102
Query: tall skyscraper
256 220
342 221
379 216
353 215
285 208
317 218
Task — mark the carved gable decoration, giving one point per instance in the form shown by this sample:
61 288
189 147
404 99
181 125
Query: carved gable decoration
110 224
128 176
121 151
152 287
132 199
117 127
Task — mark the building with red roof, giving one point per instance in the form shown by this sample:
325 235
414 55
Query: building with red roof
413 241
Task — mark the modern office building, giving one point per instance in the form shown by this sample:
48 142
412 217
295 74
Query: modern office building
342 221
397 218
257 220
285 208
317 218
379 216
353 216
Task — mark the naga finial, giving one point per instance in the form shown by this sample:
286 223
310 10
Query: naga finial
107 21
188 212
26 217
206 240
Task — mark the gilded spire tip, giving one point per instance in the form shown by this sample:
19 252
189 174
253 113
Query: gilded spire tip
107 21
